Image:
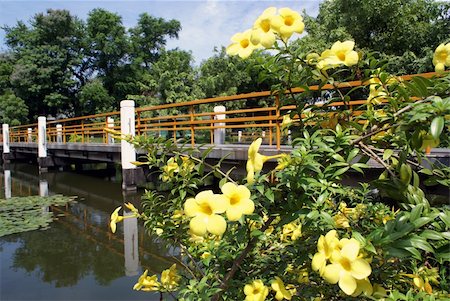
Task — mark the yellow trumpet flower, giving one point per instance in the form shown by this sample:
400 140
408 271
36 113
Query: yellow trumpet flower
256 160
256 291
238 197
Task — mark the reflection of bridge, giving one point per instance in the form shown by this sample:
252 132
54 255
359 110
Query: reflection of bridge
90 220
227 124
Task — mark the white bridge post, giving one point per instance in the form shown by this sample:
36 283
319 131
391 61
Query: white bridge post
6 149
30 135
59 136
110 124
42 144
219 134
128 153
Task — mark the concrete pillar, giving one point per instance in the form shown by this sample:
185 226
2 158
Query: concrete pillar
239 136
30 135
219 134
263 134
59 134
289 140
6 150
128 153
7 175
110 124
42 144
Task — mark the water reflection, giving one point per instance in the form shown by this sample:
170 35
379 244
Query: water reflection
7 178
78 252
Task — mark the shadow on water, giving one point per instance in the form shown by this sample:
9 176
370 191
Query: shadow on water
77 258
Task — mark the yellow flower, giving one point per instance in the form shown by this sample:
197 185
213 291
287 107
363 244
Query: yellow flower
303 276
283 161
341 221
363 286
256 160
441 57
288 22
169 170
281 292
115 218
292 230
312 58
262 32
205 255
377 94
326 245
378 291
241 45
147 283
170 278
239 203
256 291
204 209
340 53
131 208
347 267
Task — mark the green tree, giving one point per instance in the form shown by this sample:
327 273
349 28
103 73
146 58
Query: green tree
108 48
13 109
46 57
401 30
94 98
149 37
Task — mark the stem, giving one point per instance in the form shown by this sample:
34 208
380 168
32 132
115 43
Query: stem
376 128
237 263
369 152
208 165
193 261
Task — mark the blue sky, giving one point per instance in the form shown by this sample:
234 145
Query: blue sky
205 24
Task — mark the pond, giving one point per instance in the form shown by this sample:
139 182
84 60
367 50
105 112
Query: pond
77 258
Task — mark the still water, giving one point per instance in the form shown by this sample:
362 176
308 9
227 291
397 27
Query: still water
77 258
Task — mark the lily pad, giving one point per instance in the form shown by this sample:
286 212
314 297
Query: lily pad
21 214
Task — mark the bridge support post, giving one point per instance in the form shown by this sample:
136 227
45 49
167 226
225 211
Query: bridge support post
110 124
131 175
43 160
219 134
6 150
30 135
59 137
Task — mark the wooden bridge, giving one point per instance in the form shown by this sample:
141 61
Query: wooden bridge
227 123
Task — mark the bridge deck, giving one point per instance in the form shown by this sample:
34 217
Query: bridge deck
110 153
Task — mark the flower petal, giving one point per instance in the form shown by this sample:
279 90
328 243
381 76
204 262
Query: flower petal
198 225
347 283
331 273
351 249
216 224
191 207
360 269
318 262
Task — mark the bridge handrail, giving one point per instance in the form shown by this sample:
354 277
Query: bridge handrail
88 128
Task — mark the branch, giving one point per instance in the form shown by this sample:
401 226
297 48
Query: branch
369 152
237 263
376 128
183 247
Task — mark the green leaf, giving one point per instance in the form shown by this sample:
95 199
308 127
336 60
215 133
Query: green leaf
436 127
269 195
387 154
431 234
416 212
340 171
338 157
421 243
405 173
352 154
